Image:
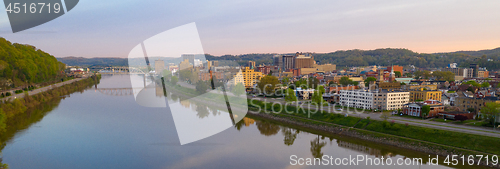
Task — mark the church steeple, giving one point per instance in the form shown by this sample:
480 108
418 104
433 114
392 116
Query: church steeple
392 76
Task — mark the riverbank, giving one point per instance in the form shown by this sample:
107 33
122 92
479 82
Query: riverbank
12 107
12 110
423 139
358 128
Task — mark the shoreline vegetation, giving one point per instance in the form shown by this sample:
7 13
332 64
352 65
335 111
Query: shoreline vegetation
20 113
422 139
435 142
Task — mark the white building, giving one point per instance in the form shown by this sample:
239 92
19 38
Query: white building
356 98
390 99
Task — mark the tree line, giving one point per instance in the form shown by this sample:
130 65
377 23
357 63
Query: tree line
24 64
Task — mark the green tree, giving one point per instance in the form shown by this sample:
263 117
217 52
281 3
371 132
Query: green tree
345 81
316 147
331 83
174 80
491 110
472 110
302 83
313 82
238 89
370 79
444 75
167 74
185 74
317 98
267 128
498 85
473 83
290 136
285 81
201 87
290 95
267 84
385 115
425 111
202 111
485 84
397 73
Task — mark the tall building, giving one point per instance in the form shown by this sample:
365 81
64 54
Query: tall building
248 77
392 76
463 72
159 66
380 75
189 57
251 64
304 60
278 61
288 62
475 67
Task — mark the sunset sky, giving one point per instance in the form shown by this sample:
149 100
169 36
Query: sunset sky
111 28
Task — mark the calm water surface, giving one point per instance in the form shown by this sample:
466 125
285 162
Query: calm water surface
95 129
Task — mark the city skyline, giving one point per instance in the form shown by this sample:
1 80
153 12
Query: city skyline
113 28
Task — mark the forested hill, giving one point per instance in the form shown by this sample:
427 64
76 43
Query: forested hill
346 58
408 57
20 64
81 61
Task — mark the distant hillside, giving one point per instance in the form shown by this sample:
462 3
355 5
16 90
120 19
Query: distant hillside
20 64
489 53
81 61
343 58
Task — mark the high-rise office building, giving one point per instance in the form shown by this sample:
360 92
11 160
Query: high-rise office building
278 61
288 62
476 69
304 60
251 64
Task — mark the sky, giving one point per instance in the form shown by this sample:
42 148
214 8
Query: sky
112 28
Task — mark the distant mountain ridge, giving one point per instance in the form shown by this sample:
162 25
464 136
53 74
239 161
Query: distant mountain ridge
81 61
344 58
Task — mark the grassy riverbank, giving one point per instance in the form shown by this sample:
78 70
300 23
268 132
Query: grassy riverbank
456 139
19 114
20 105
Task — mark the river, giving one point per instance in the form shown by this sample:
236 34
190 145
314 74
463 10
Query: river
98 129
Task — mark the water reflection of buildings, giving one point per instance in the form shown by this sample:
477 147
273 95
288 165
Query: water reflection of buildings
185 103
248 121
361 148
159 91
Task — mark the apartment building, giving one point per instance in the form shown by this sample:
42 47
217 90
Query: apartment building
356 98
390 99
247 77
422 95
463 103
